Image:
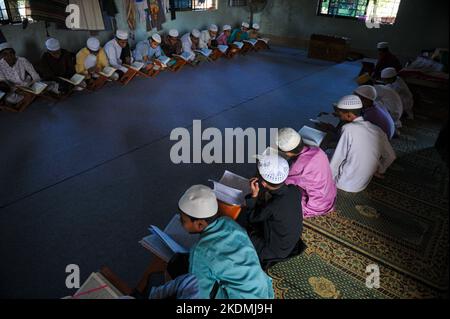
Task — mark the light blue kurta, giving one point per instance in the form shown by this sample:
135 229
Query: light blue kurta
143 49
225 254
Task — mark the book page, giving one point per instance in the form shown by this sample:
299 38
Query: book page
108 71
237 182
77 78
157 246
2 94
229 195
164 60
251 41
239 44
175 230
97 287
312 137
223 48
172 244
328 119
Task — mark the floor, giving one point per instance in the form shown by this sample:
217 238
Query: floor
80 181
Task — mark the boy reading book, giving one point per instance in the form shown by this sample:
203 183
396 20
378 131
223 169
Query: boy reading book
223 253
272 217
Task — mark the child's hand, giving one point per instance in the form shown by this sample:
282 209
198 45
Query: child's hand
254 185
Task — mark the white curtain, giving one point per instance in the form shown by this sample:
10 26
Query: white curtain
91 17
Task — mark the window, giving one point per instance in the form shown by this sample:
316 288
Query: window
194 5
237 3
343 8
13 11
382 11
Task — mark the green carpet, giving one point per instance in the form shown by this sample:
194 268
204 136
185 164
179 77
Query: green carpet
399 223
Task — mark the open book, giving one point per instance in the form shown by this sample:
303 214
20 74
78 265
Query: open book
174 239
108 71
311 136
232 189
97 287
164 60
265 40
327 119
239 44
137 66
75 80
251 41
222 48
37 88
186 56
205 51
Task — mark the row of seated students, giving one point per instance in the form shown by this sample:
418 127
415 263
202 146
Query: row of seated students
293 182
90 62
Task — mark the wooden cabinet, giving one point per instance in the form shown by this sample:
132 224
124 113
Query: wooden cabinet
329 48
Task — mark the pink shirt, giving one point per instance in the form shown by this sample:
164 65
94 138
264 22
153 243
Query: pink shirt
222 39
311 172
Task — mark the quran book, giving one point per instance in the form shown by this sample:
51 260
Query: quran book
37 88
251 41
206 52
75 80
223 48
232 189
174 239
239 44
327 119
97 287
164 60
265 40
108 71
137 66
186 56
311 136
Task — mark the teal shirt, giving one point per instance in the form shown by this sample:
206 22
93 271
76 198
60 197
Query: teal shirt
225 254
238 35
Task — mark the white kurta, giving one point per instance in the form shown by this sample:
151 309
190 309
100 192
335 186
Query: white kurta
205 37
391 101
405 94
113 51
187 45
362 151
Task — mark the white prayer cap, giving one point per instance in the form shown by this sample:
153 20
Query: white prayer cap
213 28
256 26
4 46
195 33
245 25
93 44
388 73
199 202
174 33
156 37
273 168
350 102
90 61
52 44
288 139
226 27
122 35
367 91
383 45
